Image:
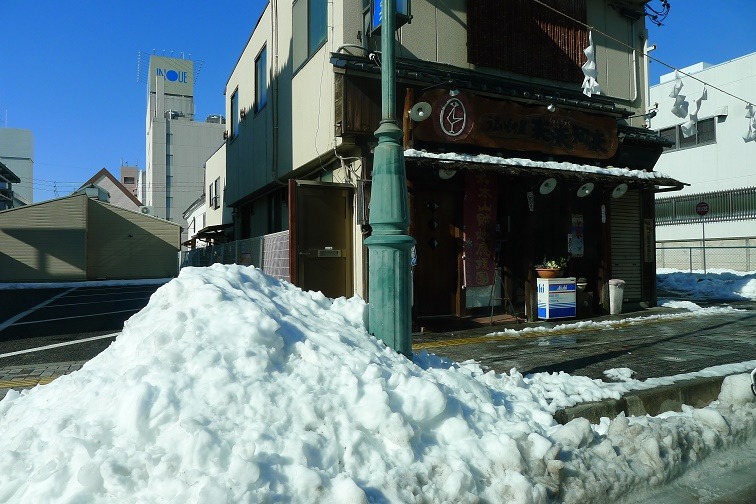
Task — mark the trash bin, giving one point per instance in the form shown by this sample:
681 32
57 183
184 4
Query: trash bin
616 293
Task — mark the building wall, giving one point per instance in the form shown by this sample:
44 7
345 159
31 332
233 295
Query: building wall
123 245
726 164
215 169
44 242
17 153
175 175
130 172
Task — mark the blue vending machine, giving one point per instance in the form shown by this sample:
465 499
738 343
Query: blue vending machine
556 298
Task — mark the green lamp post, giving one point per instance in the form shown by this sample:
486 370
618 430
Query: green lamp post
389 275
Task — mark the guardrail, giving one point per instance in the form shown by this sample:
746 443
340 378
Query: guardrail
734 258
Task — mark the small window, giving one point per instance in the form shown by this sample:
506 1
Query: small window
309 28
129 180
234 114
261 80
216 192
707 131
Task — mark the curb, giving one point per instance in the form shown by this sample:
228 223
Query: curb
698 393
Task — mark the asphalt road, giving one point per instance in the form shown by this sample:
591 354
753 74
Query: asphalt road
33 318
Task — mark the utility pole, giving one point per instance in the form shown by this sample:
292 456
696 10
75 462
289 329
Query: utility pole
389 275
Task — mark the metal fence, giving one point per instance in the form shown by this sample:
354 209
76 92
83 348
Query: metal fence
707 258
269 253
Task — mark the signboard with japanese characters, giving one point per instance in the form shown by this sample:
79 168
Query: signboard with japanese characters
504 124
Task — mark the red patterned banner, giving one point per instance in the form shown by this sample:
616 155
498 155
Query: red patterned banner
481 199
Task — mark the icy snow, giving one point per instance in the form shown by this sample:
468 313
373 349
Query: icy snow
231 386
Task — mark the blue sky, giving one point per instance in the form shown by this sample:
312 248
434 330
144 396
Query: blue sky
68 70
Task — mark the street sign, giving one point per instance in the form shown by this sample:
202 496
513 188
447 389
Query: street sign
702 208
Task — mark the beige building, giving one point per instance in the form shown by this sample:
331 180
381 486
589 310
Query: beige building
79 237
502 80
119 194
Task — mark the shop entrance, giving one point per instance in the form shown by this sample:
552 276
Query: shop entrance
436 212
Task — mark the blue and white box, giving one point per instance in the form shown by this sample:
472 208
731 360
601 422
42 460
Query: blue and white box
557 298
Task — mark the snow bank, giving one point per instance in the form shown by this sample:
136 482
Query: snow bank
233 387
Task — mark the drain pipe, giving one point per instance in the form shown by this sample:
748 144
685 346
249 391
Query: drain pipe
753 382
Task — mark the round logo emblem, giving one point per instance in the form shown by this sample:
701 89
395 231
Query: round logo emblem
452 119
171 75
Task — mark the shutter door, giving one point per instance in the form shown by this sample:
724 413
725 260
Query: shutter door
627 253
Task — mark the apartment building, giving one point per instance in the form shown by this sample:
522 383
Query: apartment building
512 153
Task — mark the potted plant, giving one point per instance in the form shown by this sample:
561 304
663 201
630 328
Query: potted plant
551 268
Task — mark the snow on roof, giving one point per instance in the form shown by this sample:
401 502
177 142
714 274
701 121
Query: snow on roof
548 165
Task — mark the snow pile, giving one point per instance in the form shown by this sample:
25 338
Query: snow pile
233 387
717 286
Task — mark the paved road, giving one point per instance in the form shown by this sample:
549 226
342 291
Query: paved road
52 317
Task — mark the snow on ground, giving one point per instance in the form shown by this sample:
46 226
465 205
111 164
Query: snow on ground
715 285
232 387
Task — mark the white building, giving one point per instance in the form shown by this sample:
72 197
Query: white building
17 153
177 145
715 160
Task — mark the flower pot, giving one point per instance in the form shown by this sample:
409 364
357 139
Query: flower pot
549 272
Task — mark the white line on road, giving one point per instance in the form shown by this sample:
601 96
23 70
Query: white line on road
13 319
56 345
76 317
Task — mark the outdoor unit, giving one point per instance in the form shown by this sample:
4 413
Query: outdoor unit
146 210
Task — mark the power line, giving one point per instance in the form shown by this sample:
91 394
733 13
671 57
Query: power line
591 28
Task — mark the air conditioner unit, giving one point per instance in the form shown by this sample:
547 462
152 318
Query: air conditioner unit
146 210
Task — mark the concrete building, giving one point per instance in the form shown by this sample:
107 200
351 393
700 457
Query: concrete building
714 159
7 179
17 153
83 237
497 79
177 145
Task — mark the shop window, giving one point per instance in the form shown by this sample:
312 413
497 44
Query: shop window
309 28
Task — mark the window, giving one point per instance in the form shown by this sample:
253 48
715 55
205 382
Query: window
129 180
216 192
707 134
234 114
309 23
261 80
528 38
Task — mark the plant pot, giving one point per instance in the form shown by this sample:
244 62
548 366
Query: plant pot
549 272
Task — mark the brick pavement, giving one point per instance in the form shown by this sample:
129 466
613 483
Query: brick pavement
29 376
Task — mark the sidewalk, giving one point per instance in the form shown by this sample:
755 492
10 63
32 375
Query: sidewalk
653 343
24 377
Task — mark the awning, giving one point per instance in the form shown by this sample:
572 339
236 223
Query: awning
556 169
209 233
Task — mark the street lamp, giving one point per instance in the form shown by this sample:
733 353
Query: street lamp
389 276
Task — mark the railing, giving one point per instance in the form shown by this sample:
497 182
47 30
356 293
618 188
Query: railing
735 258
269 252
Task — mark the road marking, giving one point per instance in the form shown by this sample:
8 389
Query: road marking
13 319
57 345
75 317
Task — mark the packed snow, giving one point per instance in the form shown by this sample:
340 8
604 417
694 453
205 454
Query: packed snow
231 387
722 285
